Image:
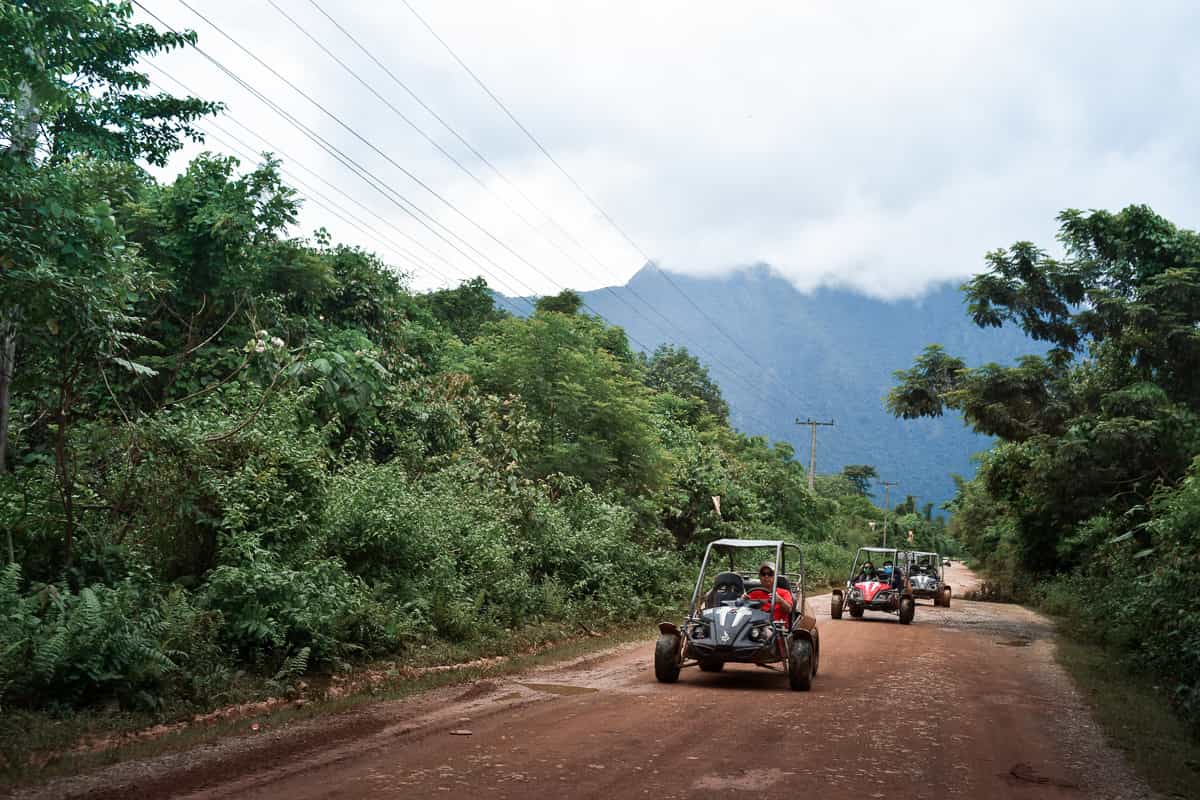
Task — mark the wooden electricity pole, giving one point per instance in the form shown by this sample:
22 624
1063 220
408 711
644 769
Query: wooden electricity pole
812 452
886 485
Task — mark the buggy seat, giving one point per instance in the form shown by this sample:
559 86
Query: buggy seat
728 586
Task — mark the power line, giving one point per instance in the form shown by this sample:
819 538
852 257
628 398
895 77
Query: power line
394 196
400 249
411 176
344 159
318 199
495 170
360 171
371 145
320 45
576 184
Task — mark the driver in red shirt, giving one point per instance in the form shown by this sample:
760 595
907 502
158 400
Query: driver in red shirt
783 599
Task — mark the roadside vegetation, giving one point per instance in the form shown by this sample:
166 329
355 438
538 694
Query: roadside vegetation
1089 504
232 457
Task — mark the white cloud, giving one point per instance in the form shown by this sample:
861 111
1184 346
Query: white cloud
880 147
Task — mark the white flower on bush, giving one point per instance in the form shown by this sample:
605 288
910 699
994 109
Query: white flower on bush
262 341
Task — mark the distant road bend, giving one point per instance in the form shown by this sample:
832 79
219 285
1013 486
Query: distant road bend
967 702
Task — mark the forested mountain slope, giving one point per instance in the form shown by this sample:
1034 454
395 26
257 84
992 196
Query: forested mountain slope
829 354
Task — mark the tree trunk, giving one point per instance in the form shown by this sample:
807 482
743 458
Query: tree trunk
8 352
62 463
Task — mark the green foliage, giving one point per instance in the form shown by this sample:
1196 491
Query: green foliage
595 414
861 476
678 372
65 647
75 59
237 452
1088 502
565 302
465 309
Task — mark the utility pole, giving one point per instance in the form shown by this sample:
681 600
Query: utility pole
886 485
812 452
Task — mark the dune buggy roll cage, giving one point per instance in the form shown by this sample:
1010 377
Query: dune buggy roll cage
898 556
727 547
914 557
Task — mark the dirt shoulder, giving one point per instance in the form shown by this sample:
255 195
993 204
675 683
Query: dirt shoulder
966 702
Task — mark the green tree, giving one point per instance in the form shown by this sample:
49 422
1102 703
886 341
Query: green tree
465 309
565 302
68 87
1110 412
69 84
861 476
595 416
675 370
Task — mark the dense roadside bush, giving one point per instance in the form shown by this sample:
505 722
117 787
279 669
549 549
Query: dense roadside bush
237 454
1139 599
1088 504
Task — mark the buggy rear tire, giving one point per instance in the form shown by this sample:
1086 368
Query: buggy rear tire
800 665
666 658
908 610
711 664
856 612
835 606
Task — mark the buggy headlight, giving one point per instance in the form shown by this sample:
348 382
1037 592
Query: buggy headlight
700 632
855 594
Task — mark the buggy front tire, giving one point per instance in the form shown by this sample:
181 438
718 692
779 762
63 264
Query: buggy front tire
835 606
666 658
856 612
800 665
946 597
908 610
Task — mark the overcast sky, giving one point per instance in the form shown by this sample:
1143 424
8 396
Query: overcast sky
865 145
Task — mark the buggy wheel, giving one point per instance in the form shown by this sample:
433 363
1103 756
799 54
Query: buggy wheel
908 609
856 612
800 665
835 606
666 658
946 597
711 665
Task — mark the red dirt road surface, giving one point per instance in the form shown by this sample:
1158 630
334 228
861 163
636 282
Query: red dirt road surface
966 702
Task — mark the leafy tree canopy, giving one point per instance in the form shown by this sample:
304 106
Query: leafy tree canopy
675 370
860 475
68 76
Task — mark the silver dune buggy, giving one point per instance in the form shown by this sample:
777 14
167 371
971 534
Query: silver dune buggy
925 575
724 625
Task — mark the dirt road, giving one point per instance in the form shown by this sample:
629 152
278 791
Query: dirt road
966 702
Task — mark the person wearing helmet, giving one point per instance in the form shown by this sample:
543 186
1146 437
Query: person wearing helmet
782 608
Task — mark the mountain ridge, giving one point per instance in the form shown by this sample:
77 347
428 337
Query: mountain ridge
825 353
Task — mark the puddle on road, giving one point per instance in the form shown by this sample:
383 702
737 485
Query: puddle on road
559 688
1016 642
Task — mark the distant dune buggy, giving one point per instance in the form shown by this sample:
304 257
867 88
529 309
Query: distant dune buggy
925 575
878 582
729 619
